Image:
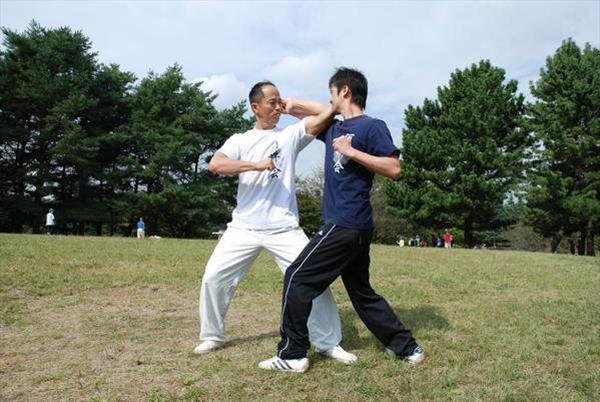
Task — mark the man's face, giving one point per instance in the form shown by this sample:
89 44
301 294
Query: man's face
337 97
268 109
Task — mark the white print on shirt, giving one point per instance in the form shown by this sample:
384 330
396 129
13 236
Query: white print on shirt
275 156
340 160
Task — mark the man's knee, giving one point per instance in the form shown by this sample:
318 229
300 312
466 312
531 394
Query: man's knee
300 294
212 278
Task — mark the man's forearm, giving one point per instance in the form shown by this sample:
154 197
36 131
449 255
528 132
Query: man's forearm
301 108
222 165
232 167
387 166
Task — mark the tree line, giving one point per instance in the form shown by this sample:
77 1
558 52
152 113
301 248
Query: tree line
103 148
100 147
480 159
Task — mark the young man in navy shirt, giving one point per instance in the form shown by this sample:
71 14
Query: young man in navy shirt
355 150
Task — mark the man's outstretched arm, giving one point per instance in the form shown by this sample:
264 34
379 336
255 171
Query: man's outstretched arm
222 165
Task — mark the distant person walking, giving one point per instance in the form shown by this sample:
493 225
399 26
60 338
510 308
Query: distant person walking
447 239
50 222
439 242
141 229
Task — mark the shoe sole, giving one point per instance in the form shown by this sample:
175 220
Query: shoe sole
300 370
286 371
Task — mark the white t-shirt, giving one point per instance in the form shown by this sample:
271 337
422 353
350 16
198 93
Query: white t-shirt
266 200
49 219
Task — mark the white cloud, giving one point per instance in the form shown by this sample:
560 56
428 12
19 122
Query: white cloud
297 69
301 76
228 88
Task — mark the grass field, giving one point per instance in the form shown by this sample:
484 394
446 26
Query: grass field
116 319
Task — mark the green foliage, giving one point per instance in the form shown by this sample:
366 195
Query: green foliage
463 154
45 84
389 227
173 128
564 196
309 194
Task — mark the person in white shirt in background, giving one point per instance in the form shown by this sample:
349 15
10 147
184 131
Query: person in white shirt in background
266 216
50 222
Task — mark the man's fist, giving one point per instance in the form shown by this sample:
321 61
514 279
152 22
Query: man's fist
343 145
265 164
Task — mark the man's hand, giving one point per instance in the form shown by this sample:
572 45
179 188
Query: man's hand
265 164
343 145
287 105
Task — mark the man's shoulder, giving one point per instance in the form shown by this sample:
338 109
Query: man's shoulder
373 122
374 125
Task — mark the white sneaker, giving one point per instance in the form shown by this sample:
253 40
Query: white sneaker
207 346
339 354
415 357
288 365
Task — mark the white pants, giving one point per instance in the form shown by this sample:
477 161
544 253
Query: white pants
140 233
231 260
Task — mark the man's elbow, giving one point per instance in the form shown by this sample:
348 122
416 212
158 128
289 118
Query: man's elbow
214 168
396 172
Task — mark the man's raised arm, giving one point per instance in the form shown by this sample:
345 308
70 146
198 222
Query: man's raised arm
317 116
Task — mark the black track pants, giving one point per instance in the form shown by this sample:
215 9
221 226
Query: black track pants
336 251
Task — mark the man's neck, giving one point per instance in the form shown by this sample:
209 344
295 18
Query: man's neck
351 110
260 125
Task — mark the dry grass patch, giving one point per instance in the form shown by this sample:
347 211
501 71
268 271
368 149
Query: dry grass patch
110 342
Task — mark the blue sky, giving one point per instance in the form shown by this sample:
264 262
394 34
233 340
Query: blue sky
406 48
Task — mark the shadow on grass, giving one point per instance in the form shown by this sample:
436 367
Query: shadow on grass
238 341
417 319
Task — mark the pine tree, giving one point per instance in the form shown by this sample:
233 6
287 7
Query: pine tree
463 154
173 130
564 196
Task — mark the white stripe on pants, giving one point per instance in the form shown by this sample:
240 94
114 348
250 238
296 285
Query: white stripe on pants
230 261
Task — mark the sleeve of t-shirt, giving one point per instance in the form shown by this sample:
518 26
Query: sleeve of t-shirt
380 141
231 148
298 135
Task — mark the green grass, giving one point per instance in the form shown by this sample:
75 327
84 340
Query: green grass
107 319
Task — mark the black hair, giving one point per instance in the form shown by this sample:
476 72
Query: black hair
356 82
256 93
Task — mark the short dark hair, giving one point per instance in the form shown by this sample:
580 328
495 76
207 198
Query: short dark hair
256 92
356 82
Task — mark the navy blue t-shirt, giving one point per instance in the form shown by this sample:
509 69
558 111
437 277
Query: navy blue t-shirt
346 197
